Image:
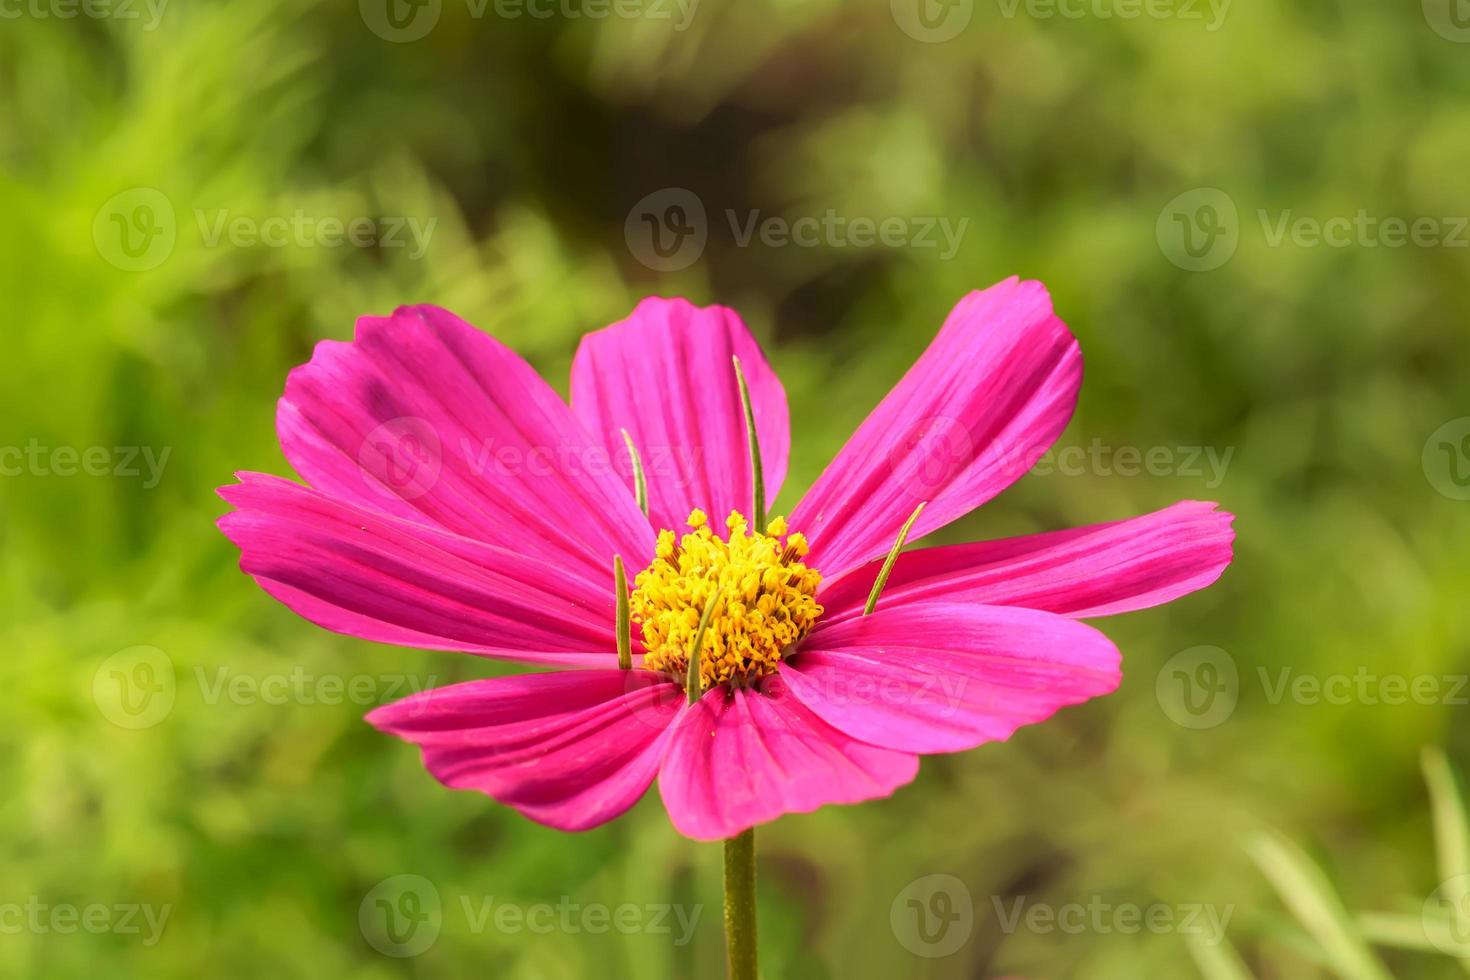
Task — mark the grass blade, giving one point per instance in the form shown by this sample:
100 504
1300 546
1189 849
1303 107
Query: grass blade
1307 893
1217 961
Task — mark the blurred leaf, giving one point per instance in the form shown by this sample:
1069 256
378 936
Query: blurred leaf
1451 827
1308 894
1217 961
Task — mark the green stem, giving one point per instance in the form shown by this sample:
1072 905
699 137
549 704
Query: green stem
740 905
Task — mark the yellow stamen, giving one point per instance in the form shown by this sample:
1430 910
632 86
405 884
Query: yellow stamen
759 600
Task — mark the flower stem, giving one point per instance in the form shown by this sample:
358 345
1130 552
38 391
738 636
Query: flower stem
740 941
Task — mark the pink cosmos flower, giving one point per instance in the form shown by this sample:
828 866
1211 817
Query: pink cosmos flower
455 502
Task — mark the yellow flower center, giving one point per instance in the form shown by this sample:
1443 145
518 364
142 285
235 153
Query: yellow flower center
765 599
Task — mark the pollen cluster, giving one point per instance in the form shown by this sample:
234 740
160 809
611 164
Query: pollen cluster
765 599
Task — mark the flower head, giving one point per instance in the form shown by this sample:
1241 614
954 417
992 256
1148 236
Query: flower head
454 501
764 600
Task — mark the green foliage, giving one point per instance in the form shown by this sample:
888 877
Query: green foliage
263 823
1341 941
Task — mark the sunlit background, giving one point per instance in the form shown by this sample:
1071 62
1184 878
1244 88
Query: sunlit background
1253 216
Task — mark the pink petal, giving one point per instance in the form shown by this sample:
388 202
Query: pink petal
975 412
1096 570
358 571
665 375
743 757
571 749
940 677
426 418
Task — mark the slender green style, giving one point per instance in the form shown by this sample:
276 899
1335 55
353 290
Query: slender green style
887 569
752 440
624 621
640 478
693 686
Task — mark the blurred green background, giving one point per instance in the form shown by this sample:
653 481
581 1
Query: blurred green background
165 172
